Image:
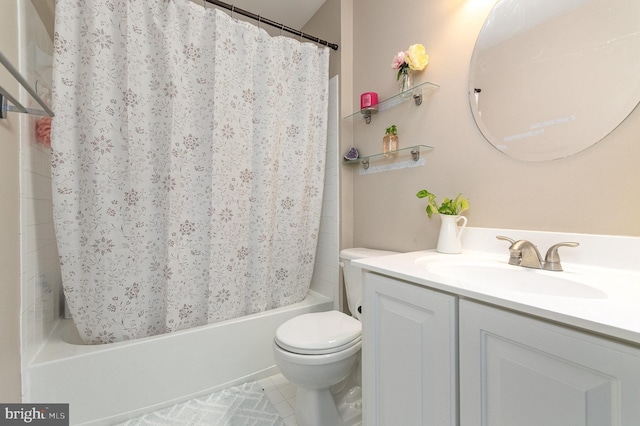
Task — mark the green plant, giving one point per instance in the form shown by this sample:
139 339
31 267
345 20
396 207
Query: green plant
449 206
391 130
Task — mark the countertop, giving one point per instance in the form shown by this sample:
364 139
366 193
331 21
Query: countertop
610 307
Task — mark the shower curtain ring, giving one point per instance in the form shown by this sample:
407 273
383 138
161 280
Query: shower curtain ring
232 9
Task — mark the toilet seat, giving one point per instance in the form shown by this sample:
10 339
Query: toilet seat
319 333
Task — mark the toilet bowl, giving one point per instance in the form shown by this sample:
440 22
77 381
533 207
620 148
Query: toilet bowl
320 354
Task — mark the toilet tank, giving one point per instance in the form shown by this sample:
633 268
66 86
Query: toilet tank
353 275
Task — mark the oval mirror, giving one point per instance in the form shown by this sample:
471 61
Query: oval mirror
550 78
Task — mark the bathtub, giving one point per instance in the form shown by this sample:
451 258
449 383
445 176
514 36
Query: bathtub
108 384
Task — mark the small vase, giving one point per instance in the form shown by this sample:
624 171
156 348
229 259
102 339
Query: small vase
390 144
406 81
449 238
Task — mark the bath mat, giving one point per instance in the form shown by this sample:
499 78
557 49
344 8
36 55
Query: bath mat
242 405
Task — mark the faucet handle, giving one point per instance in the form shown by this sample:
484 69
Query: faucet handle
515 255
502 237
552 258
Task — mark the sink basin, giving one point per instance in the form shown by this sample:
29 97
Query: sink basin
502 276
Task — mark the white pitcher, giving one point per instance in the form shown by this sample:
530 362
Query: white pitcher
449 239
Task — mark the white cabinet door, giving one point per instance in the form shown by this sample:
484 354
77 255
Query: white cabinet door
516 370
408 354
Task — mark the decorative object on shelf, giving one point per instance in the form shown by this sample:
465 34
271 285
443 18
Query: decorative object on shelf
408 157
416 93
390 142
406 82
352 154
368 105
414 58
369 100
449 210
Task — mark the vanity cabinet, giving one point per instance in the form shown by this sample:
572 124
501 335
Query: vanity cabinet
516 370
421 345
408 354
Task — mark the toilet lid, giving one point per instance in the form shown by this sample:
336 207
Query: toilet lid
319 333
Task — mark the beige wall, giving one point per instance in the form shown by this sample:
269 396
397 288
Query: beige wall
591 192
325 24
45 10
10 389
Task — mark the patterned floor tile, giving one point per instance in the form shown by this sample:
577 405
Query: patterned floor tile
242 405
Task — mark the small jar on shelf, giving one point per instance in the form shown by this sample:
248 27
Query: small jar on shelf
390 141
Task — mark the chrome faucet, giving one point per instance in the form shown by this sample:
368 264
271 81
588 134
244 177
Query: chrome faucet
525 253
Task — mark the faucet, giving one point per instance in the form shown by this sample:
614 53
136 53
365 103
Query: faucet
524 253
529 254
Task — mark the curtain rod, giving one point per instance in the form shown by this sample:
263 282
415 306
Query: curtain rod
261 19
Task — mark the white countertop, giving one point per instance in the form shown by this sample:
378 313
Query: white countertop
609 267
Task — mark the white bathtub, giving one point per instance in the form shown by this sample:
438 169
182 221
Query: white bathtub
108 384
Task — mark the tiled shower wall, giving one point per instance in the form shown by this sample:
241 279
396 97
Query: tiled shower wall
326 270
40 270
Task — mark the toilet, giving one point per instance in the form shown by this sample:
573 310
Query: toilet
320 354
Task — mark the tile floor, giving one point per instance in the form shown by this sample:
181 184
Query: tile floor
282 394
245 404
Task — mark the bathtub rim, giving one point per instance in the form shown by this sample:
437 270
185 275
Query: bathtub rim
56 348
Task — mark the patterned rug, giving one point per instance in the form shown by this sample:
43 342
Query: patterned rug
242 405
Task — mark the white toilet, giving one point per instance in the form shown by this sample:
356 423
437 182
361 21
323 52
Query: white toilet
320 354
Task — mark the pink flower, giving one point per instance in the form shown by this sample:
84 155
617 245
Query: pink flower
414 58
398 61
43 131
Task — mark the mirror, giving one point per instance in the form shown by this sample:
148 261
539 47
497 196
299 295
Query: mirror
550 78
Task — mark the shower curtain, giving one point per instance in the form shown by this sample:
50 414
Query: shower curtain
188 165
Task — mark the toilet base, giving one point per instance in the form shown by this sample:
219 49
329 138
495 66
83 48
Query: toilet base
322 408
316 408
341 405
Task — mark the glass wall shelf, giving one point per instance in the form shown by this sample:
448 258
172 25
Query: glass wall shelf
412 152
414 93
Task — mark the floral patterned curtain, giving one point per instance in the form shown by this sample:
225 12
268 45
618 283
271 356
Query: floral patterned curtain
188 165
